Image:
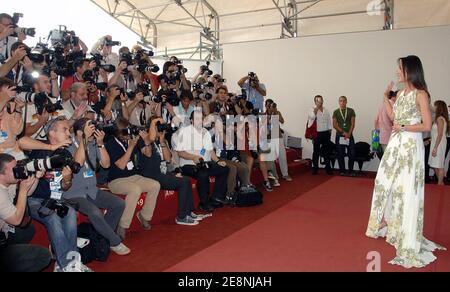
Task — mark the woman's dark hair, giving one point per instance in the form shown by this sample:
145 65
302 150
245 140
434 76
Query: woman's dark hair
121 124
442 111
413 71
166 67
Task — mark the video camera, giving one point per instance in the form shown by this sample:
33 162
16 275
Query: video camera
17 30
111 43
26 168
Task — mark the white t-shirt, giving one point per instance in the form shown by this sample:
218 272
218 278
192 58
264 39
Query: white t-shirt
194 142
7 208
323 120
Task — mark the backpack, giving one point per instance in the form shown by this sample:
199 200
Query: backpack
98 249
248 197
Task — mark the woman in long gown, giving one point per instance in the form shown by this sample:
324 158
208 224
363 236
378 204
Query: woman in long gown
397 211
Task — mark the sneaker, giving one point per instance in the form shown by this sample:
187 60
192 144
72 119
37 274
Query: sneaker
188 221
121 249
287 178
57 268
76 268
270 175
276 183
144 223
121 232
200 217
268 186
85 269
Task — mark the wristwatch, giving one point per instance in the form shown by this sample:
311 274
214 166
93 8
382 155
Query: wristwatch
403 129
101 146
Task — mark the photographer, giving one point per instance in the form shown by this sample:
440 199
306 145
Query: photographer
11 122
199 161
88 147
155 167
256 91
7 30
16 254
80 66
77 106
104 47
140 110
23 66
223 104
47 205
18 55
184 110
124 178
35 120
280 147
116 104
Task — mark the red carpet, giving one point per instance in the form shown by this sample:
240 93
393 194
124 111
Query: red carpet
168 244
322 230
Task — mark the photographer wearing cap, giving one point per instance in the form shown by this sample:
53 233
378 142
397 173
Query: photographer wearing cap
199 161
87 148
47 205
124 175
16 254
256 91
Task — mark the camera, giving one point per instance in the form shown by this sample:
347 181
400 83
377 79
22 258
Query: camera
205 69
62 37
50 206
46 104
17 30
165 128
171 98
26 168
90 77
392 94
111 43
134 130
202 165
182 69
107 128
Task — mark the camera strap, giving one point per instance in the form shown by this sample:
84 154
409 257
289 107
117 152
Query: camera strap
22 134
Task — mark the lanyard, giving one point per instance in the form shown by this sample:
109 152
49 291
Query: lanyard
121 145
346 115
87 152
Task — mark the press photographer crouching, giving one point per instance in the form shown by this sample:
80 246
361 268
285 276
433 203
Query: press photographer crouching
88 147
47 205
16 254
155 167
199 161
124 175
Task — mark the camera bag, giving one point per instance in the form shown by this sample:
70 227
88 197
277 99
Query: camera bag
98 248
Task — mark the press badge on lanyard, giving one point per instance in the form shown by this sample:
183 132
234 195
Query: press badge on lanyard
89 172
55 186
163 165
130 164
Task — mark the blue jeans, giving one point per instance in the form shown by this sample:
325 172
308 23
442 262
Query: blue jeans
62 232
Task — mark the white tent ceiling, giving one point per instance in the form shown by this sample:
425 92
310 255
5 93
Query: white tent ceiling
176 25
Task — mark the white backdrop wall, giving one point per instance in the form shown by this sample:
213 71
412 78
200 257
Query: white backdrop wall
357 65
